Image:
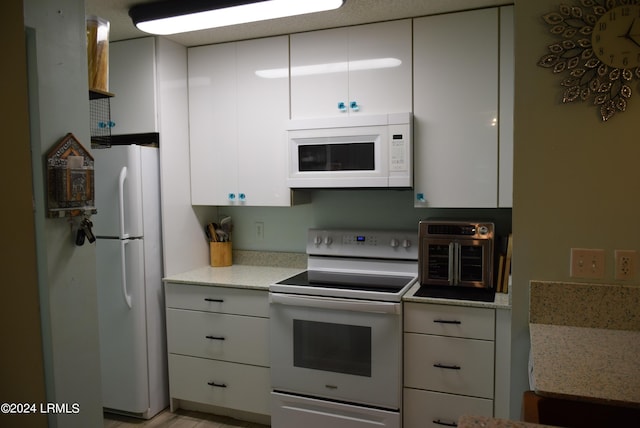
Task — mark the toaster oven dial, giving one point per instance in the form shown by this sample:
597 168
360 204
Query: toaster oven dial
406 243
394 243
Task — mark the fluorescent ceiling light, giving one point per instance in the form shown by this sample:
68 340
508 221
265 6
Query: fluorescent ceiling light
332 67
172 17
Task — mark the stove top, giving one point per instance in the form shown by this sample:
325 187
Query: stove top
356 264
349 281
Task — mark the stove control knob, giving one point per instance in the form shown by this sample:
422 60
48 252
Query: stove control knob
406 243
317 240
328 240
394 243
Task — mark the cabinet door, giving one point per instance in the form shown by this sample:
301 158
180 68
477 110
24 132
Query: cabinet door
380 67
455 109
319 76
263 111
506 107
427 409
220 383
367 64
213 123
449 364
132 78
234 338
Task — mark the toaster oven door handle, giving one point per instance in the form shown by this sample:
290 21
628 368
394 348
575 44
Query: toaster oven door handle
335 303
452 262
458 264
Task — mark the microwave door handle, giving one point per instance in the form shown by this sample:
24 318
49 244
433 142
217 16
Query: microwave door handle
452 263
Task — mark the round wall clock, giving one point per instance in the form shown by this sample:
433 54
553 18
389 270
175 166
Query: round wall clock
598 52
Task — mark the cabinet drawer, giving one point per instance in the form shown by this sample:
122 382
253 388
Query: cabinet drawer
235 338
218 299
449 364
237 386
447 320
426 409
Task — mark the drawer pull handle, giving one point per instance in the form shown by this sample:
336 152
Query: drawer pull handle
447 321
219 385
215 337
208 299
445 366
446 424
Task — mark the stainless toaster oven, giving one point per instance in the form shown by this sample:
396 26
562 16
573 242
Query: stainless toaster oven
455 259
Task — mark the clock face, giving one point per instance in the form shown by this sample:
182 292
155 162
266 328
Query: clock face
616 37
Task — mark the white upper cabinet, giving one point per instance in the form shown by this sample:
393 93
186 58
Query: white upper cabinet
132 78
364 69
238 109
460 72
505 122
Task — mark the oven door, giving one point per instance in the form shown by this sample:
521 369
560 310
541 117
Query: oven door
459 262
340 349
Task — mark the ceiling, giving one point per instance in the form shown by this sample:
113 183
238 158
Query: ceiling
351 13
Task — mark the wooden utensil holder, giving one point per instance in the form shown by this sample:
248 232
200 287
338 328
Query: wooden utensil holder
220 253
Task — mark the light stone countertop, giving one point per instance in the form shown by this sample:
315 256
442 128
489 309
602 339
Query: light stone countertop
236 276
612 306
502 300
487 422
586 364
585 341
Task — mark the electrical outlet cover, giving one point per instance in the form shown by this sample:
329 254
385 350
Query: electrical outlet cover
626 261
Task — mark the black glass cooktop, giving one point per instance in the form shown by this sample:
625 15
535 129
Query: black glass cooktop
457 293
349 281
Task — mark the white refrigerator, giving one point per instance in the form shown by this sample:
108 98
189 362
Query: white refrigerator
129 280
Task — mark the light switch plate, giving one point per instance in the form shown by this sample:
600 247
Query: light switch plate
587 263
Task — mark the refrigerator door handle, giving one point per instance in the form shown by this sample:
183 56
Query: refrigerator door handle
121 180
125 293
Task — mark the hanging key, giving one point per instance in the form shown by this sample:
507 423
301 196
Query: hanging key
80 237
86 226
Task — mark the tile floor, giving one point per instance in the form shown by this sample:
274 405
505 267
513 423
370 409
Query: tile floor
179 419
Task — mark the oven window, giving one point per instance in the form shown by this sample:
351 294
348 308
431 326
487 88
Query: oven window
332 347
471 263
336 157
439 261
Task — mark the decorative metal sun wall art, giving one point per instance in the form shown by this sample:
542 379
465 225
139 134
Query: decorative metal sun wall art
598 52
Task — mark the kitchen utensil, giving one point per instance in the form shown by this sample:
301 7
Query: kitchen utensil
222 235
211 232
225 224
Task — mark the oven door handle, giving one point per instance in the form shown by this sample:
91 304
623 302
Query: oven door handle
452 263
336 303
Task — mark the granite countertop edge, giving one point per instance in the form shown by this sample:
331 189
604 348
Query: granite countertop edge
502 300
467 421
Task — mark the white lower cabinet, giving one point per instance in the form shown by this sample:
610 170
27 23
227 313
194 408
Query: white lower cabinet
449 359
217 339
428 409
220 383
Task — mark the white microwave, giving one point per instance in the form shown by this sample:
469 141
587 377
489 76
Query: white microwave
351 152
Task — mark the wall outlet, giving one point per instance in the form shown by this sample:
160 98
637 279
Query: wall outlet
625 264
586 263
259 228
